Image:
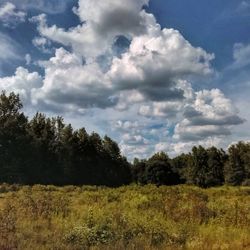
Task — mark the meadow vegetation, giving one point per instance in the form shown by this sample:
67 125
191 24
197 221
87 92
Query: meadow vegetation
128 217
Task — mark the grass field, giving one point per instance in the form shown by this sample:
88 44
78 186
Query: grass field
133 217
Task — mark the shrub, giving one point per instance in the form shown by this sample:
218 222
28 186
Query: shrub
90 236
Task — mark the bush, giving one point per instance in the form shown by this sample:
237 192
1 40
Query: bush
90 236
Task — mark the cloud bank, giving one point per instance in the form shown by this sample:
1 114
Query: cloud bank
148 80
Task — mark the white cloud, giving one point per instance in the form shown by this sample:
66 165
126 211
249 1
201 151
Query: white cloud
9 51
241 54
68 83
42 44
155 62
10 16
177 148
137 138
138 151
169 109
125 125
102 22
151 69
211 114
28 59
144 91
8 48
161 109
22 83
48 6
134 139
112 17
127 99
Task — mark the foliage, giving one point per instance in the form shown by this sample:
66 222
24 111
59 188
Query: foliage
156 170
237 168
47 151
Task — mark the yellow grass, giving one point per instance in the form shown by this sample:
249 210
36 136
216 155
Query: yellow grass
133 217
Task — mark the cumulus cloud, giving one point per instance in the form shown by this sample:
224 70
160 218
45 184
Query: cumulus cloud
42 44
68 82
177 148
144 86
151 69
160 109
10 16
127 99
125 125
137 138
211 114
171 108
154 63
102 22
114 17
22 82
134 139
136 151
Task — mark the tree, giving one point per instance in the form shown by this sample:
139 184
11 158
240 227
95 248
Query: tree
180 166
111 147
44 168
215 171
138 171
48 151
237 166
198 167
205 167
156 170
13 139
68 154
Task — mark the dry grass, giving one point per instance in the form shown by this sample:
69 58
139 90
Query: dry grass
133 217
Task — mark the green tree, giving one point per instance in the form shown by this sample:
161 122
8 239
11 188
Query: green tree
159 170
198 167
237 167
205 167
138 171
13 139
111 147
216 162
180 166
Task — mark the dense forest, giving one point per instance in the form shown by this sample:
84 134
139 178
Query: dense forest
45 150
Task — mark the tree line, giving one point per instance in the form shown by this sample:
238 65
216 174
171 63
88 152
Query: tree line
202 167
45 150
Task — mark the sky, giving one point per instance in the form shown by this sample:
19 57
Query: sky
154 75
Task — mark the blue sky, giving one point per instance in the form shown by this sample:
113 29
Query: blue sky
154 75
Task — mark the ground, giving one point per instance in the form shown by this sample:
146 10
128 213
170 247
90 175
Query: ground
132 217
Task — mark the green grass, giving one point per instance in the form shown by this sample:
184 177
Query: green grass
133 217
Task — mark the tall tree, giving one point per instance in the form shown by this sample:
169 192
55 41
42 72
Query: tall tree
198 167
216 162
237 166
13 139
157 170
